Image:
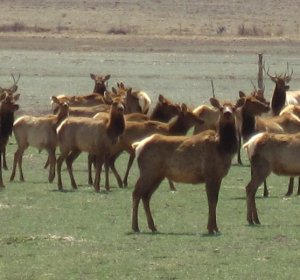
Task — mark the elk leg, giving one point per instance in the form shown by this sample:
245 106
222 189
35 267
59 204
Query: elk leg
91 160
266 191
136 198
20 163
1 179
298 193
130 162
291 187
146 202
52 160
69 161
99 163
13 172
106 167
239 159
60 161
212 191
259 171
4 159
114 170
47 163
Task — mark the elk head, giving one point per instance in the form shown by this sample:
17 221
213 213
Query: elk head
100 83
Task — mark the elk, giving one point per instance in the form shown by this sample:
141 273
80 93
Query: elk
269 152
7 109
97 137
281 96
136 101
136 131
9 91
96 98
202 158
163 111
287 122
38 132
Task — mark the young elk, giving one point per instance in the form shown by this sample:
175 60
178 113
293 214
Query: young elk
269 152
201 158
38 132
7 109
97 137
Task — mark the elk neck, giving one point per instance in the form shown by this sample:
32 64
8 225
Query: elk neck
115 126
248 126
278 100
227 136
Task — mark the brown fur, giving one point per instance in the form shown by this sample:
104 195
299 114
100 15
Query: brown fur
268 152
38 132
7 109
201 158
97 137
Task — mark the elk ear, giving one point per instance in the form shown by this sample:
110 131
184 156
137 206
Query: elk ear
242 94
55 99
16 96
114 90
161 99
93 76
107 77
215 102
239 103
184 108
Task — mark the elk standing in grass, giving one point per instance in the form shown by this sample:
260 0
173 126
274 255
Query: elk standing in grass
38 132
76 135
269 152
136 131
7 109
201 158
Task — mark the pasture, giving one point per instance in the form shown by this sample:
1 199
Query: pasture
47 234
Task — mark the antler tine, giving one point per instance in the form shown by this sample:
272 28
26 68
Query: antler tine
15 81
253 85
213 88
288 77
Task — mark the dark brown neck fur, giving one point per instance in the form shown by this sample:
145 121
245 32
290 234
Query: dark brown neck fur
115 126
228 142
278 100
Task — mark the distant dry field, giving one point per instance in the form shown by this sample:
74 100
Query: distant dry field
156 17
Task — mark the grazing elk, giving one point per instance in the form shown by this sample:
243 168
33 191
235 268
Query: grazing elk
97 137
38 132
269 152
7 109
201 158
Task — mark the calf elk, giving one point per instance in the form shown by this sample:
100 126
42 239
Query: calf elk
201 158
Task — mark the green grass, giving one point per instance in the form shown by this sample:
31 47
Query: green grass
46 234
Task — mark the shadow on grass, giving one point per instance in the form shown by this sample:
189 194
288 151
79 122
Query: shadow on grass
172 234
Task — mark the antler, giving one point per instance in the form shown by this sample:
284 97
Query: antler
14 87
287 76
213 88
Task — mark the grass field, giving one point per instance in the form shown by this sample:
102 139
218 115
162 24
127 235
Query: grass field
46 234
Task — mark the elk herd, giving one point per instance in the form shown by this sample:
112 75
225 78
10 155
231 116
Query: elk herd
106 123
